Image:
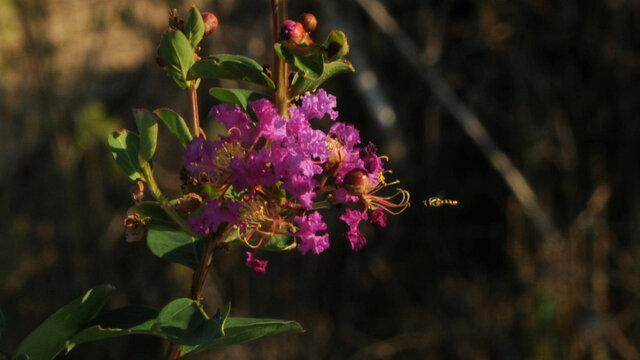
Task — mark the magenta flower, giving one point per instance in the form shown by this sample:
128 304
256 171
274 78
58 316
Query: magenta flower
267 177
213 214
309 225
378 218
353 218
270 125
236 121
259 267
356 239
317 105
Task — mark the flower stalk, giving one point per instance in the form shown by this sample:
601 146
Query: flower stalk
279 14
164 203
192 94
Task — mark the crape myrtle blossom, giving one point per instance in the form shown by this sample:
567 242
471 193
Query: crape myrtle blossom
269 177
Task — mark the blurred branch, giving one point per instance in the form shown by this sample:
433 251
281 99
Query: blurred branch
465 117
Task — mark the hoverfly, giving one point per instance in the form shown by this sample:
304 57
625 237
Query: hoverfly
436 201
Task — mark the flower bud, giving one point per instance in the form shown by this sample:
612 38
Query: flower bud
308 22
210 23
355 182
292 31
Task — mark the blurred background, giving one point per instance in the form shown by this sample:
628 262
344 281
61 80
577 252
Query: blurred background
541 260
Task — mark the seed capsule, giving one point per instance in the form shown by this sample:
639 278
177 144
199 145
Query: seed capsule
187 203
137 191
134 228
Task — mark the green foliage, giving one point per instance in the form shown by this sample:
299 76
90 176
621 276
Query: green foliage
133 319
148 130
183 321
124 148
177 55
315 64
280 243
194 27
234 67
301 84
176 125
246 330
308 61
155 212
49 339
174 245
336 45
236 96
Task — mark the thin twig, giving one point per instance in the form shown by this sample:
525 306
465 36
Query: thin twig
465 117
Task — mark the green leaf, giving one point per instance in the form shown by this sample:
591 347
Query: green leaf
174 245
124 148
20 357
176 124
245 330
183 321
154 210
280 243
133 319
177 55
236 96
194 27
301 84
336 46
234 67
48 340
309 61
148 130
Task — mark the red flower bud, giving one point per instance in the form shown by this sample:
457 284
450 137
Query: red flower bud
308 22
210 23
292 31
356 182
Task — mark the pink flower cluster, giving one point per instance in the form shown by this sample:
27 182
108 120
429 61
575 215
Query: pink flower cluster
269 174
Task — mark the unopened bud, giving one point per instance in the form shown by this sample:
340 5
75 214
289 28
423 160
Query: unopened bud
210 23
356 182
308 22
292 31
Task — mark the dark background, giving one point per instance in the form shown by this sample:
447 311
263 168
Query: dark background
556 84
